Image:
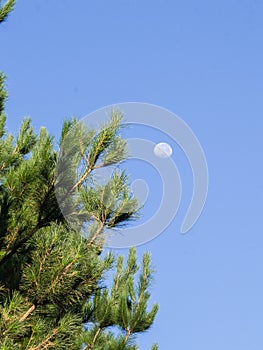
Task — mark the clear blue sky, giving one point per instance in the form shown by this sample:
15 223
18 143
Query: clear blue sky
203 61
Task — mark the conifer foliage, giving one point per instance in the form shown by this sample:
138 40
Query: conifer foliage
54 293
6 9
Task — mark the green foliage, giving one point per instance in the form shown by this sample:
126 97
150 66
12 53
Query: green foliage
52 276
6 9
3 96
124 306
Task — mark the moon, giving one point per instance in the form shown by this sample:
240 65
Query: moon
163 150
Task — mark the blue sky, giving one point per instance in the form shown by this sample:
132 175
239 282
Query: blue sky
203 61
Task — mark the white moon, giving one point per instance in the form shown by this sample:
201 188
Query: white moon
163 150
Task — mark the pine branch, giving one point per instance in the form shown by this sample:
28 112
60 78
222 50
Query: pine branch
60 275
29 311
6 9
46 343
128 334
95 338
18 245
97 233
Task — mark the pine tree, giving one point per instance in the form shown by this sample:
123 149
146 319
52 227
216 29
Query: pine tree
54 293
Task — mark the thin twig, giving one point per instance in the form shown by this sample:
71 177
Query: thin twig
29 311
